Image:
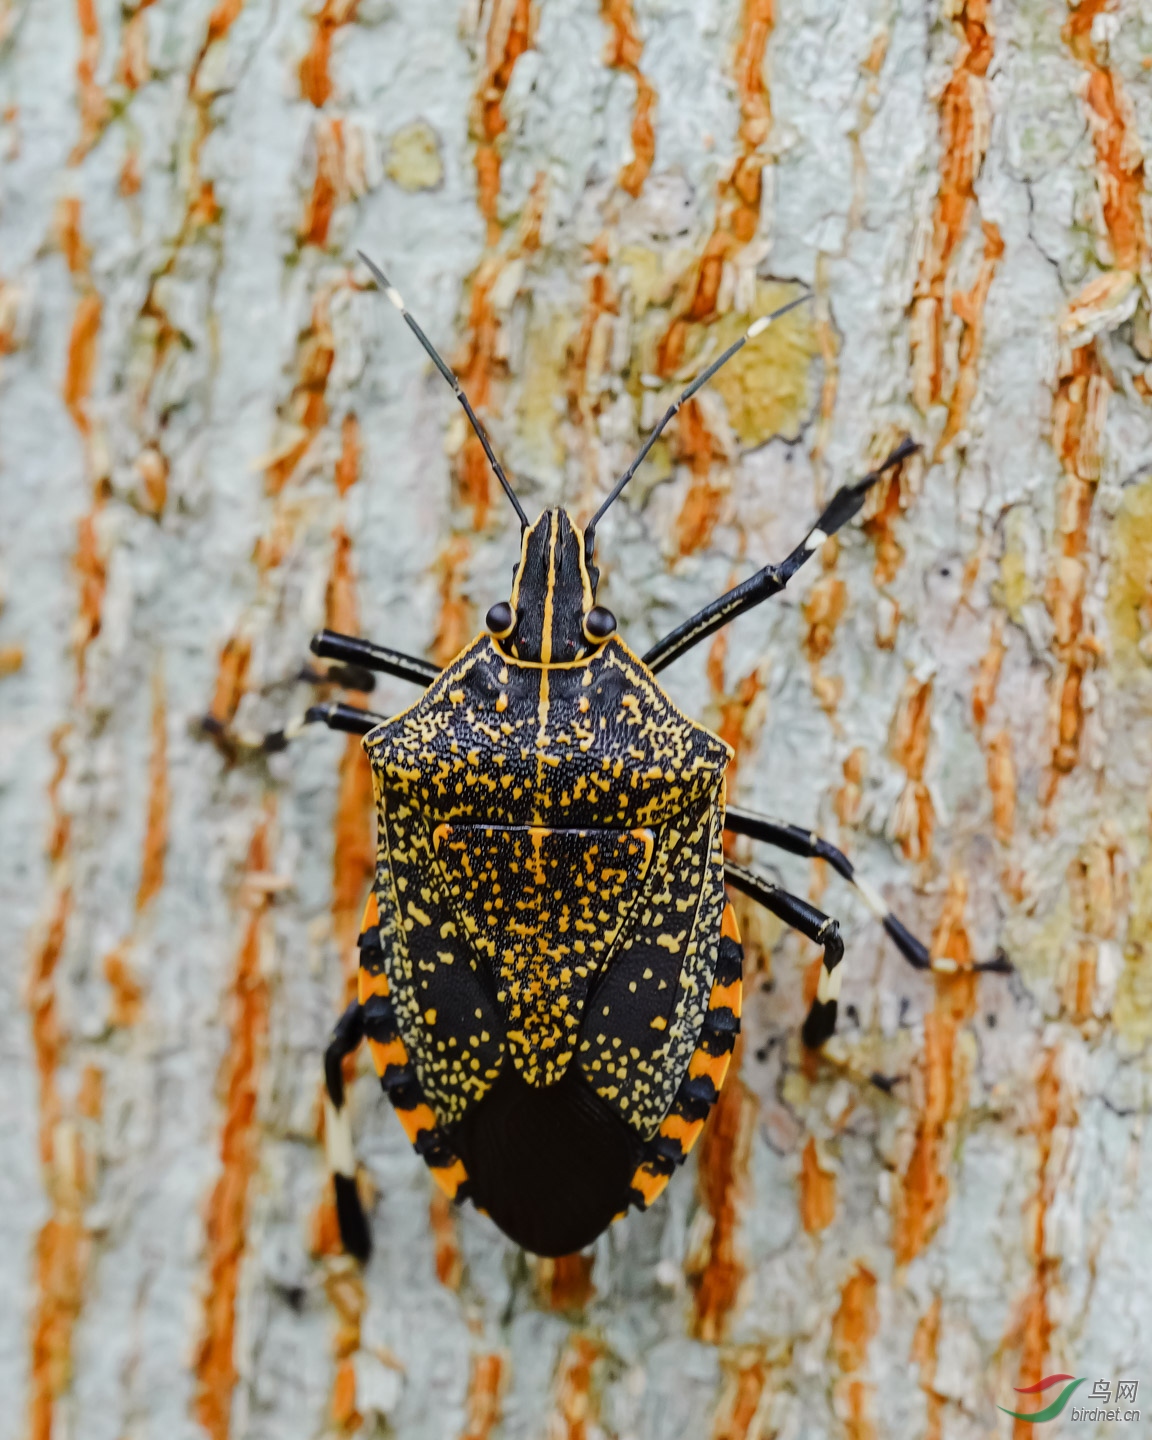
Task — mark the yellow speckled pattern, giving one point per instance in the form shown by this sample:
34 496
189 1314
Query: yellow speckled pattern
549 831
544 909
708 1066
646 1016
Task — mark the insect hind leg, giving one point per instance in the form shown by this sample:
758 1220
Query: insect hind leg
354 1232
820 1022
798 841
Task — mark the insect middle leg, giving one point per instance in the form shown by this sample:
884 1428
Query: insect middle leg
798 841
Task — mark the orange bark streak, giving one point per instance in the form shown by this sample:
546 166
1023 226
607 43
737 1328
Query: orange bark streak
329 188
883 508
1002 784
127 992
91 568
694 446
70 238
738 204
454 626
624 51
923 1192
1082 387
81 364
574 1408
566 1282
970 309
482 1405
345 1290
306 412
823 610
152 468
62 1253
63 1243
738 715
964 125
132 68
1033 1325
717 1273
856 1320
509 36
315 79
853 1327
915 816
91 99
1119 161
227 1210
739 1414
477 367
925 1345
1078 413
988 674
231 679
348 465
159 797
848 798
817 1191
442 1222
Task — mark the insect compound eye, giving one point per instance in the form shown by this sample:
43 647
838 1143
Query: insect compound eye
599 623
500 619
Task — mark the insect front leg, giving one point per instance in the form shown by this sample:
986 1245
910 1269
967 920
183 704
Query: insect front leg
772 578
356 664
354 1231
798 841
814 925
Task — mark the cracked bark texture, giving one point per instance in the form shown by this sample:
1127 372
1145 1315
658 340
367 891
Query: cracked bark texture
214 438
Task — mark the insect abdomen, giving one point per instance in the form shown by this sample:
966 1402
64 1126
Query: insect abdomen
551 1165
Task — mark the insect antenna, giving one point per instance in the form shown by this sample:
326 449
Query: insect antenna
394 295
756 328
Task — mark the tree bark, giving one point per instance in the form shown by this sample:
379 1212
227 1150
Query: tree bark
215 437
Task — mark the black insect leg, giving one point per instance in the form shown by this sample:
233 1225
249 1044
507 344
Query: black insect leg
353 1223
815 925
361 654
773 578
798 841
333 713
356 663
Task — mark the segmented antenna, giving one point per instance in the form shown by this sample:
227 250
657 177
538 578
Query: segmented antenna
394 295
756 328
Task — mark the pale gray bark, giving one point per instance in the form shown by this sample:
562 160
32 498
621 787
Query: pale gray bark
1048 1102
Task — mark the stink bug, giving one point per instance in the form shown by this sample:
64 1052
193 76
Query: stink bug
550 970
